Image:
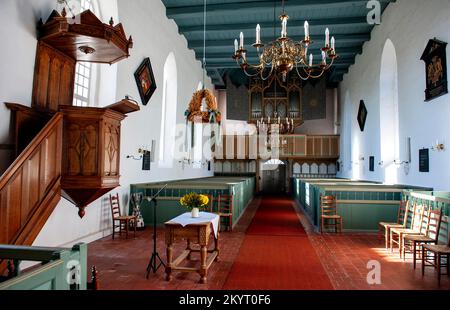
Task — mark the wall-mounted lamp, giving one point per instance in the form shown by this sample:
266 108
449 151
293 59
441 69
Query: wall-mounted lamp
399 162
407 162
142 152
439 147
185 161
145 155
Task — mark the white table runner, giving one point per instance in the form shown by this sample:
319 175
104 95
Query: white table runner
205 217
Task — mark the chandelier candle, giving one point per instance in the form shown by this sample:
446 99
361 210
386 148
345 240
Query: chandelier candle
236 46
241 36
258 34
284 26
327 37
306 31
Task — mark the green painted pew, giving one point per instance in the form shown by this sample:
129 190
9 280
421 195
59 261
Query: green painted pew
241 188
59 269
361 204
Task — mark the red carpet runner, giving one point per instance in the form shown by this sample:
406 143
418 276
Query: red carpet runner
276 253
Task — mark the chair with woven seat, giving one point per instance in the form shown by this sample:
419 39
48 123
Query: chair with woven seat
432 255
402 219
412 243
225 209
329 214
119 221
397 234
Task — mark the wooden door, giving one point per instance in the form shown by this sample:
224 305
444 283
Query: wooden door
274 180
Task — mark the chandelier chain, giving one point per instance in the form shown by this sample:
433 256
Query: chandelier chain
204 43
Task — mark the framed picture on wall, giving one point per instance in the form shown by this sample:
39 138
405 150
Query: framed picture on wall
145 81
362 115
435 58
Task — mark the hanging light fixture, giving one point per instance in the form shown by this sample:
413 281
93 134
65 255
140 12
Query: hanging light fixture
284 54
194 113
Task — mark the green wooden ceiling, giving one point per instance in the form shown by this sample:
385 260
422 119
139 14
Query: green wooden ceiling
346 19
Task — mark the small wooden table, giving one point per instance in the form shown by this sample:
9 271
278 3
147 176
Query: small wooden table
193 233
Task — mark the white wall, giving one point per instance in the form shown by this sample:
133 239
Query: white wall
409 24
19 18
154 36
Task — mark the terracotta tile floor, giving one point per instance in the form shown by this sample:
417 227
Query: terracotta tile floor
345 258
122 263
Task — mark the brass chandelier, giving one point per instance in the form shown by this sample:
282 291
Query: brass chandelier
284 54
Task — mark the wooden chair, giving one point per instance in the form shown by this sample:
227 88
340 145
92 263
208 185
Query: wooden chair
412 243
397 234
432 255
225 209
329 214
402 219
123 221
212 205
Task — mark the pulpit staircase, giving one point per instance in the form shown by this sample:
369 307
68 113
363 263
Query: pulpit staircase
30 188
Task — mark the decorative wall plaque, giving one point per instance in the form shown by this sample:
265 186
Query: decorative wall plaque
424 160
362 115
146 161
371 163
435 59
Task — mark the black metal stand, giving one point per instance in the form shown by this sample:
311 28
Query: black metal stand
155 260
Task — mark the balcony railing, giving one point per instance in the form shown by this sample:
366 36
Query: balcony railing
252 147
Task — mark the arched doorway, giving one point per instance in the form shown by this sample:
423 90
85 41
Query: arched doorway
389 115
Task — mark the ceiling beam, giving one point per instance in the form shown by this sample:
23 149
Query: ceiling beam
340 38
194 11
314 24
216 77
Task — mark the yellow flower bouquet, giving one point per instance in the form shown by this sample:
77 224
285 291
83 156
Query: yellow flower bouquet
194 202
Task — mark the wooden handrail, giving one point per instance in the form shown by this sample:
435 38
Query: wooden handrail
55 121
26 253
31 187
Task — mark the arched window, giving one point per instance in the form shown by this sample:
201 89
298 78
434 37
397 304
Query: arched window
389 116
169 111
84 71
347 134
